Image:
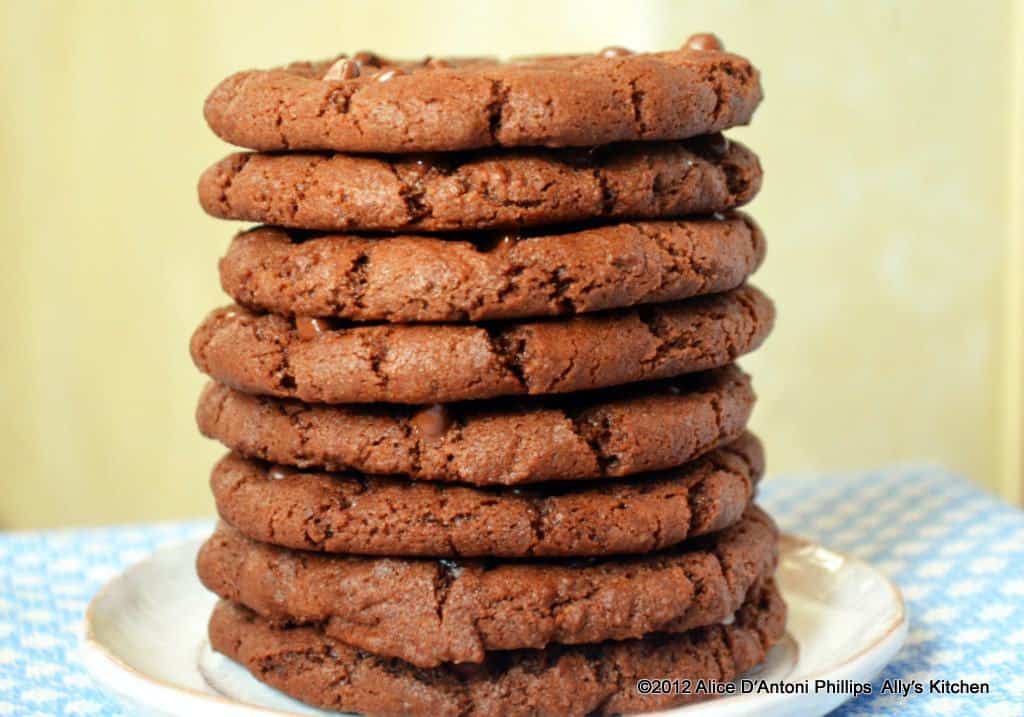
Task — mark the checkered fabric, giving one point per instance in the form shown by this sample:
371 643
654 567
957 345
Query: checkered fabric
957 553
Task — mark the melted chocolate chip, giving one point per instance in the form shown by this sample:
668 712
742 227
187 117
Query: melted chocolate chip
343 69
309 327
443 164
432 422
497 243
367 59
710 146
469 670
579 158
615 51
280 472
704 42
506 242
420 167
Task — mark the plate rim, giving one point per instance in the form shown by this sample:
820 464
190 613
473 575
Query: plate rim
894 632
900 620
104 665
113 674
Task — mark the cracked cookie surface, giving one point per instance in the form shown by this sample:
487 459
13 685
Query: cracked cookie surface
487 190
428 612
363 515
560 681
428 363
428 279
389 106
596 434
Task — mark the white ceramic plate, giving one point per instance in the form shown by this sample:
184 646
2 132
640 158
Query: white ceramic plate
145 640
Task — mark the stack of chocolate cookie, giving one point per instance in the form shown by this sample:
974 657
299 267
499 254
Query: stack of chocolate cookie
488 445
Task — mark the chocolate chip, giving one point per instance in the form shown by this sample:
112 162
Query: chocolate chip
309 327
506 242
419 168
580 158
432 422
704 42
615 51
280 472
367 59
343 69
470 670
388 75
497 243
710 146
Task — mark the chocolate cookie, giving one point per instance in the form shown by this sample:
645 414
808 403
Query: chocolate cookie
347 513
559 681
370 104
596 434
419 278
511 189
427 612
426 363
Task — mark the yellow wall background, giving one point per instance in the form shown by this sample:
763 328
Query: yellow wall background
890 136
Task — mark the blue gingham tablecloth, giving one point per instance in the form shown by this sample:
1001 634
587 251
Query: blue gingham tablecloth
957 553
